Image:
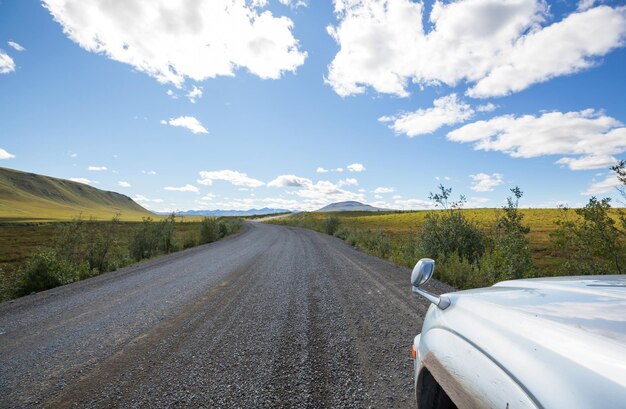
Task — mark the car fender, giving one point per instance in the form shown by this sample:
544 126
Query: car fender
468 375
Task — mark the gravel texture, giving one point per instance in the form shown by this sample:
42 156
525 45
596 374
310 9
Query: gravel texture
272 317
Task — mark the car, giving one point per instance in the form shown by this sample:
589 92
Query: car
555 342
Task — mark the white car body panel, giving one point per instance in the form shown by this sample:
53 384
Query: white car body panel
556 343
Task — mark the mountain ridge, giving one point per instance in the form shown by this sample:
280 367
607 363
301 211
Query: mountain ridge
351 206
30 196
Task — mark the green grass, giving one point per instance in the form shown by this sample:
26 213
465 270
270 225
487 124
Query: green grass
401 226
28 197
19 241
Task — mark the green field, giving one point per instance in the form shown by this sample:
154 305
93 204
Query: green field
18 241
403 226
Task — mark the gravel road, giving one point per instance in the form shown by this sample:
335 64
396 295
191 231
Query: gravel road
272 317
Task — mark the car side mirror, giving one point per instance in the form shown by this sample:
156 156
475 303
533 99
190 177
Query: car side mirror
422 272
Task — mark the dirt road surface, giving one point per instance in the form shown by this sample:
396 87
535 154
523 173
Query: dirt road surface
272 317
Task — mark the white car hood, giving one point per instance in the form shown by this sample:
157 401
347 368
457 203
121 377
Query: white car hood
595 305
563 335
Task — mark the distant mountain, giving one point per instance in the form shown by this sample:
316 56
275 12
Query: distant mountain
350 206
28 196
217 213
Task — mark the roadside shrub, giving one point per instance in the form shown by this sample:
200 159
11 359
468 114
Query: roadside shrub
330 225
458 271
511 256
153 238
228 226
209 230
46 270
592 244
450 232
190 240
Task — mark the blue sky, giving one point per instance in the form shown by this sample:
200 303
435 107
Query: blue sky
475 94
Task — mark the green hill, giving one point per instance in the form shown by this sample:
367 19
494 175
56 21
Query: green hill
30 197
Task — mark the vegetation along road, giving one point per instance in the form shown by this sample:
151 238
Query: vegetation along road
274 316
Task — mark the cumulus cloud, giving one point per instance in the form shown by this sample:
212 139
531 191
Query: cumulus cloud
324 192
141 199
15 46
97 168
186 188
384 190
484 182
354 167
290 181
194 94
588 162
446 110
499 47
412 204
231 176
174 41
188 122
348 182
123 183
321 170
84 181
7 64
293 3
5 155
610 183
149 172
589 135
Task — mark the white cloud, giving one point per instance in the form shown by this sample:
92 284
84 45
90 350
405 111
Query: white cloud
186 188
324 192
6 63
485 183
188 122
290 181
384 190
5 155
476 202
97 168
15 46
321 170
396 197
488 107
563 48
586 4
348 182
293 3
84 181
234 177
607 185
174 41
445 111
141 199
588 162
354 167
123 183
413 204
589 134
194 94
500 47
149 172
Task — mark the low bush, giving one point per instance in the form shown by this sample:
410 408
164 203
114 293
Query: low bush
44 271
331 224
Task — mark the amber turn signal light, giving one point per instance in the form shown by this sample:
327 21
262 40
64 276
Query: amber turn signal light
413 352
